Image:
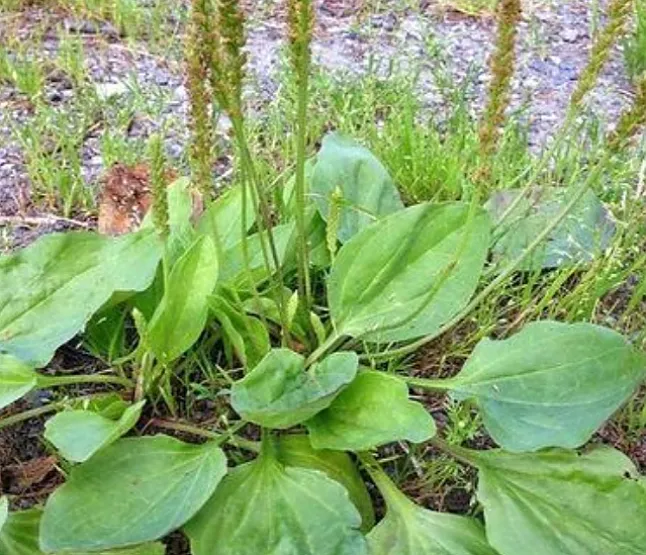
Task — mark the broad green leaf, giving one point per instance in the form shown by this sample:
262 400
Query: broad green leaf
280 393
50 289
582 236
373 410
232 267
222 221
296 450
408 529
180 212
16 379
406 275
21 538
19 535
104 334
182 313
79 434
4 511
264 507
133 491
550 385
559 502
367 191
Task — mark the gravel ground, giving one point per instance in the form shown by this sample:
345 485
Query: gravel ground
553 46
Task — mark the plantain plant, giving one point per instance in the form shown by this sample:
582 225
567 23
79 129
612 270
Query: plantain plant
306 304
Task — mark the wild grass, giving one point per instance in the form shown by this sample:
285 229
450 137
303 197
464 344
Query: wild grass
431 155
635 44
473 8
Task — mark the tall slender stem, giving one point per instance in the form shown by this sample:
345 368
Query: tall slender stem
301 25
263 217
40 411
26 415
228 437
427 383
55 381
323 348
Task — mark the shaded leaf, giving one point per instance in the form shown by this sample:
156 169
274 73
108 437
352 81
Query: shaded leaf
38 282
408 529
296 450
79 434
133 491
409 273
182 313
551 384
16 379
280 393
147 301
557 501
21 538
367 190
265 507
582 236
104 334
222 221
373 410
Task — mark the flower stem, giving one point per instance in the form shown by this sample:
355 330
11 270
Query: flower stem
301 26
40 411
56 381
228 437
323 348
426 383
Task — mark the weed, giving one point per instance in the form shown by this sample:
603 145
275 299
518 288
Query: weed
502 70
71 57
23 71
282 317
634 45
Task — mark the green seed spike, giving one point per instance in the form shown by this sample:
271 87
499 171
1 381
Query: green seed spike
334 217
618 14
198 60
158 184
502 69
232 58
630 120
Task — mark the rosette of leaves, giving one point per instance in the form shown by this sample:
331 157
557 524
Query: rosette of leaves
293 377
